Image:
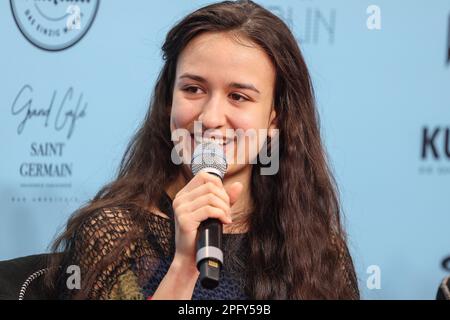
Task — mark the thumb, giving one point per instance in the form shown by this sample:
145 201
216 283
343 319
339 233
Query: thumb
234 191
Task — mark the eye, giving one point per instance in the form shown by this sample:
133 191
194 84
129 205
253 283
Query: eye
192 89
238 97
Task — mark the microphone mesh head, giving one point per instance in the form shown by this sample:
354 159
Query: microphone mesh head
210 157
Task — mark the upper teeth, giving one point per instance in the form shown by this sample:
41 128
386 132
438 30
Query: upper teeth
214 140
218 140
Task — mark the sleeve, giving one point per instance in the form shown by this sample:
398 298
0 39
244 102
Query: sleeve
104 251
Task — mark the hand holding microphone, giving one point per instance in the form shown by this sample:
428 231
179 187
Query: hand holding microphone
200 209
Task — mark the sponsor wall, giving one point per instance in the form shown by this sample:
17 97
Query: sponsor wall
76 79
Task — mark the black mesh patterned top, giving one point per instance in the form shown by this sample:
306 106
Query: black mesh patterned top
124 252
145 257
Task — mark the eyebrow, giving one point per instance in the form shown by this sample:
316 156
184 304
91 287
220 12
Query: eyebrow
236 85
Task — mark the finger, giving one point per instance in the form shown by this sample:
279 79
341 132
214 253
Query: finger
211 200
206 188
206 212
202 178
234 191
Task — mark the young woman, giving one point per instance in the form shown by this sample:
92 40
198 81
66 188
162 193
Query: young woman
230 66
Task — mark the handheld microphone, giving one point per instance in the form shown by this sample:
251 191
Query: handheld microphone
209 157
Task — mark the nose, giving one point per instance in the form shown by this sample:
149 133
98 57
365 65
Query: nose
213 112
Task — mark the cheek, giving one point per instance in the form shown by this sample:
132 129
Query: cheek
255 124
247 120
242 120
182 114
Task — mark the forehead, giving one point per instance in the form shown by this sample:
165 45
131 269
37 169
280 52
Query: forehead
220 54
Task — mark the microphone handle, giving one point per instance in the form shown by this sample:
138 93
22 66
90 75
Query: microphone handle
209 252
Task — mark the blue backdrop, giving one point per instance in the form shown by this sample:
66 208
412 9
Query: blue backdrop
75 83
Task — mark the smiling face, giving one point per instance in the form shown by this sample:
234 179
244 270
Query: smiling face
228 85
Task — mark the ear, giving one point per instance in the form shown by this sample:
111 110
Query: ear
273 123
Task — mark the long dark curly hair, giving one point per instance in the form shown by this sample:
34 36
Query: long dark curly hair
295 231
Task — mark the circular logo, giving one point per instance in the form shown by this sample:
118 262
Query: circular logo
54 25
446 264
